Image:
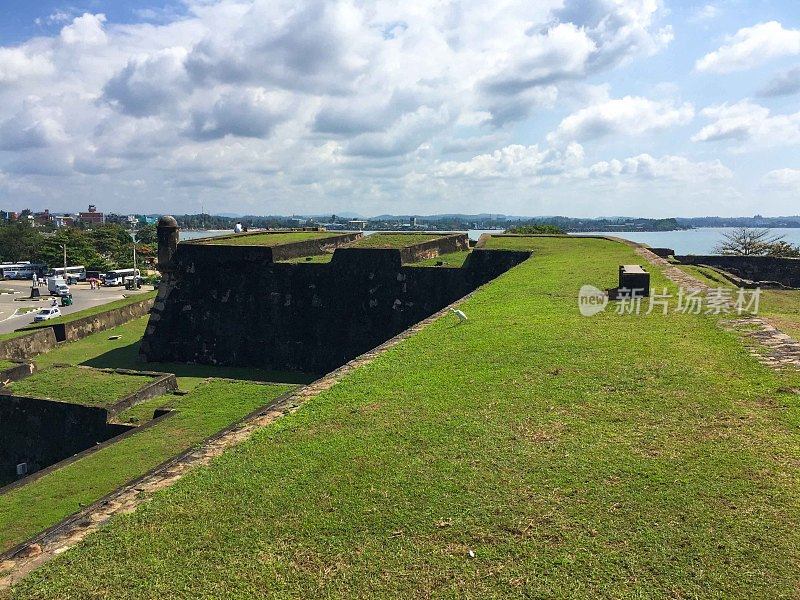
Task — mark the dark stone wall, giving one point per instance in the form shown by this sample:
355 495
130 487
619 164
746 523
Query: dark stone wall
42 432
236 309
28 345
662 252
785 271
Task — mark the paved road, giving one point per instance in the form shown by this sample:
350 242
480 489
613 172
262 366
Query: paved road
10 304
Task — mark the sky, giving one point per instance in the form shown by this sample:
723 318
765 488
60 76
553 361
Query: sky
585 108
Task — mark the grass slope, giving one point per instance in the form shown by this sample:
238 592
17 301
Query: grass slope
80 386
211 405
270 239
618 455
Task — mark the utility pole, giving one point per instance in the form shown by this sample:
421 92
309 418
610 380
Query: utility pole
64 246
135 280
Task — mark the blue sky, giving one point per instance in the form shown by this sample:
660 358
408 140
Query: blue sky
575 107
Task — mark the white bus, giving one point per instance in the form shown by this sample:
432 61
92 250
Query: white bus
119 276
78 272
23 270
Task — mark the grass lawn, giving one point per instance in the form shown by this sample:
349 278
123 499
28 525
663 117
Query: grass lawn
617 456
271 239
454 259
6 364
212 404
393 240
89 387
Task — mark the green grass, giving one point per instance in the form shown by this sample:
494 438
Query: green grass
212 404
94 310
271 239
454 259
209 408
393 240
89 387
6 364
99 351
613 456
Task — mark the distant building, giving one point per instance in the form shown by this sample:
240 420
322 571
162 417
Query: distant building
43 218
413 222
92 216
61 221
8 215
356 224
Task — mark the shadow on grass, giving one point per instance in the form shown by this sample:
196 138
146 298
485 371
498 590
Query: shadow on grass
127 357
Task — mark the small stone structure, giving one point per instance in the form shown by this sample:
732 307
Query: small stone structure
633 277
235 305
662 252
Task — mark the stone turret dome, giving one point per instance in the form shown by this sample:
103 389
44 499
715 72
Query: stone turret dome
167 221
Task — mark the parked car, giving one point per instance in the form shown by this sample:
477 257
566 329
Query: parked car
51 312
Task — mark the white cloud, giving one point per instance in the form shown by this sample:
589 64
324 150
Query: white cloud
784 84
33 127
316 47
513 161
589 36
18 63
647 167
251 112
630 115
784 179
86 30
703 13
745 121
149 84
750 47
342 104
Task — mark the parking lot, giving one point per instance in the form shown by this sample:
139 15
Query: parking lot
15 301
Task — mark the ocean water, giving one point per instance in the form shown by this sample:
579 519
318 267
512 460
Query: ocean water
690 241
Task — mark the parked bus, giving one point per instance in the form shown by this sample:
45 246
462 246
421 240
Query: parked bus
119 276
23 270
77 272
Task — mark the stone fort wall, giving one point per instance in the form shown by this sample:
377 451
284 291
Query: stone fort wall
785 271
237 307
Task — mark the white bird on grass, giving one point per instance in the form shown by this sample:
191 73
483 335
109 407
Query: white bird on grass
460 314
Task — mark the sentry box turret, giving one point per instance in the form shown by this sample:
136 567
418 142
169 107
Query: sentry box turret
634 277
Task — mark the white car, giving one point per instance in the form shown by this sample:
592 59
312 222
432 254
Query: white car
51 312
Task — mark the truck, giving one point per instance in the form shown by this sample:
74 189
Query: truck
57 286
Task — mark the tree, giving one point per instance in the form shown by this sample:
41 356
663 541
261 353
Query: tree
18 241
744 241
147 234
80 250
784 249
